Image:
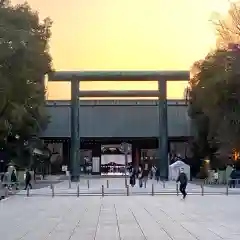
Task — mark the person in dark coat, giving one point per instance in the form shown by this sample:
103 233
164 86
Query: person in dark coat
14 179
157 174
233 176
140 176
28 178
133 177
182 178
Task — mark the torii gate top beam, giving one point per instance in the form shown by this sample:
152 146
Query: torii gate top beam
119 75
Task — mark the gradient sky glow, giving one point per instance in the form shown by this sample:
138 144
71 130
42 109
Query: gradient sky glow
128 35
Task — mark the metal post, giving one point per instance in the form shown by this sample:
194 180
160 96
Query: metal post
125 181
78 190
28 191
152 189
75 139
127 187
88 184
177 189
163 129
69 182
52 187
102 190
202 188
107 183
227 188
164 184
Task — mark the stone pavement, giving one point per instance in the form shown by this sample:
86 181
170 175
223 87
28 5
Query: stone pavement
165 217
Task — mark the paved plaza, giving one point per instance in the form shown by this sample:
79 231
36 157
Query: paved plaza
166 217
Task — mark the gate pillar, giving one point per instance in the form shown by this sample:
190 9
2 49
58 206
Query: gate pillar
75 138
163 129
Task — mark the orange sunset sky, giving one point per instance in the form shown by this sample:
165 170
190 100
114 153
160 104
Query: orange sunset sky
128 35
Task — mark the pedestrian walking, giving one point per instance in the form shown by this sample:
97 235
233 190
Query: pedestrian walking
157 175
182 178
140 176
28 178
233 176
14 179
133 177
152 172
6 179
216 176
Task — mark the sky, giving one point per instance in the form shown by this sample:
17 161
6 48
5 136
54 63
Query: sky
128 35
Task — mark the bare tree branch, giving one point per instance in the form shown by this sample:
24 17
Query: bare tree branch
228 28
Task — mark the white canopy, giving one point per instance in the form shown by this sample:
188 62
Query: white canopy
174 170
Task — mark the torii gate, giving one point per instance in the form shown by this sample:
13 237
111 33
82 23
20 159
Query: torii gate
161 76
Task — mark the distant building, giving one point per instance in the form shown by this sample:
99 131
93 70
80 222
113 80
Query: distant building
108 122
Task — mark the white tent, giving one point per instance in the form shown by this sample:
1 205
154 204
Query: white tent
174 170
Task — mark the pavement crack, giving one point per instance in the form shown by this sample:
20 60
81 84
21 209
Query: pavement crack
162 228
138 224
100 210
77 225
59 222
119 233
172 219
202 225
